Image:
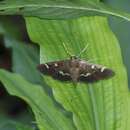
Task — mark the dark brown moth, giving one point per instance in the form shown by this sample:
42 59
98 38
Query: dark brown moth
75 69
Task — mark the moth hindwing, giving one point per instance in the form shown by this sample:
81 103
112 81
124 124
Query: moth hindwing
76 70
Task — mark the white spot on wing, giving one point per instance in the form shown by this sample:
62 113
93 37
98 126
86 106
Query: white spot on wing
103 68
86 75
47 66
55 64
67 74
62 73
93 66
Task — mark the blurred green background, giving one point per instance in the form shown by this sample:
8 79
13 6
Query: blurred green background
15 44
121 29
16 54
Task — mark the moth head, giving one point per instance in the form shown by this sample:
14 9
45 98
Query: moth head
73 57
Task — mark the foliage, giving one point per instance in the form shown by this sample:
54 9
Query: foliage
100 106
59 9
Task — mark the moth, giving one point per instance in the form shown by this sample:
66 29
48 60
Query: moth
75 70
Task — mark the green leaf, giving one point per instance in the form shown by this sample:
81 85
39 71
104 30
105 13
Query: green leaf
7 124
22 127
48 9
8 27
48 116
24 59
98 106
23 54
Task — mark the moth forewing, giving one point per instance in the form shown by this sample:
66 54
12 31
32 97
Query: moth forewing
56 69
75 70
94 72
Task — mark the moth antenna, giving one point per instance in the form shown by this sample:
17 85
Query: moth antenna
66 50
83 50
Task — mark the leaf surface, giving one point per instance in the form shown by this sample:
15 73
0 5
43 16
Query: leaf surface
98 106
48 9
48 116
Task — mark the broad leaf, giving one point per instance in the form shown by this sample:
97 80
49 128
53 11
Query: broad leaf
7 124
102 105
23 54
9 28
24 59
48 116
22 127
48 9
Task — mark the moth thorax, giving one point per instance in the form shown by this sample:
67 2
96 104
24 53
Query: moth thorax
74 63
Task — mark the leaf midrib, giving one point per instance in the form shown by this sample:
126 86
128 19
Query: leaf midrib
80 8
